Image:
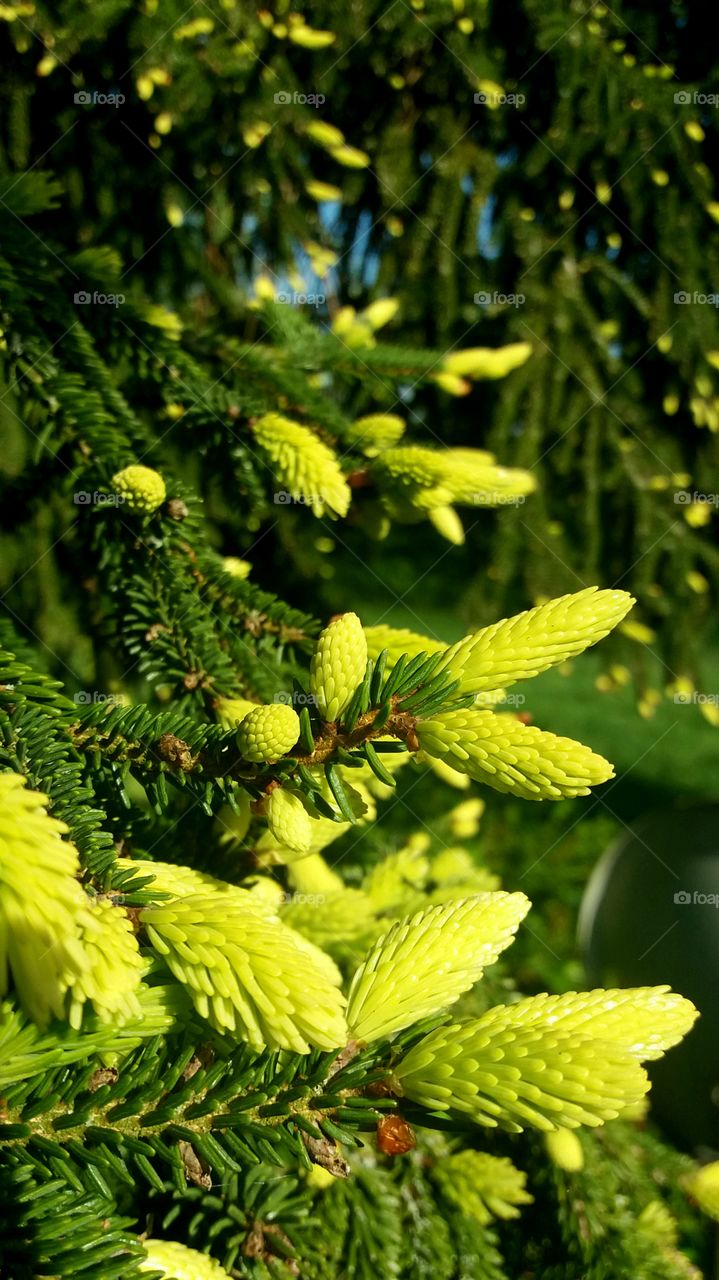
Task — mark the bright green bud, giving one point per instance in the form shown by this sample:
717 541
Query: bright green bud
379 313
142 488
231 711
114 969
523 646
308 38
547 1061
324 831
338 665
482 1186
302 463
398 640
431 479
246 974
425 962
288 820
375 432
350 157
326 135
703 1187
236 567
448 524
41 903
511 756
268 732
176 1261
419 471
476 478
487 362
645 1021
565 1150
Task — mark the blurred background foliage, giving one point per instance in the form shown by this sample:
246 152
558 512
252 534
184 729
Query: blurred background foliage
559 156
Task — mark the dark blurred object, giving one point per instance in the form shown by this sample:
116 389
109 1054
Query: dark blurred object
650 915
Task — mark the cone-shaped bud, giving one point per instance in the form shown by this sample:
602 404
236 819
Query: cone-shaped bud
338 665
425 962
548 1061
530 642
565 1150
141 488
486 362
308 38
326 135
448 524
379 313
268 732
288 820
246 973
114 966
375 432
41 902
512 757
303 465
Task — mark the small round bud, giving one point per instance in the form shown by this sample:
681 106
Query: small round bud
267 732
142 488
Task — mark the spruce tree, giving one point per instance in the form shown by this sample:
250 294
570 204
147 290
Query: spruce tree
247 1029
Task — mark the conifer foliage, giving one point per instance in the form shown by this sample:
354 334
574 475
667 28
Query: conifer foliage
226 1049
